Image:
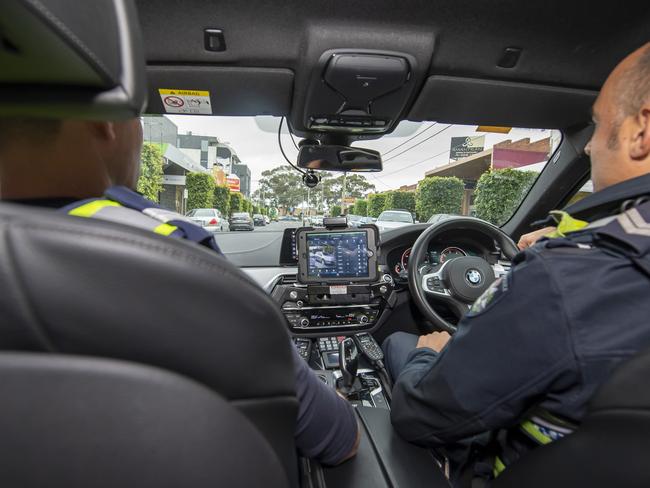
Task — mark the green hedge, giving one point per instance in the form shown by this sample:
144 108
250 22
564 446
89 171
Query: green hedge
436 194
376 203
200 190
151 172
402 200
222 199
236 202
335 211
360 207
499 193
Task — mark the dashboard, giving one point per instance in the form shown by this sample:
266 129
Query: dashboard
449 245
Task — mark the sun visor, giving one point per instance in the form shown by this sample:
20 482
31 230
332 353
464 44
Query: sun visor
64 59
490 102
217 90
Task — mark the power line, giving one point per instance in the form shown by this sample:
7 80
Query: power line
409 140
419 162
376 178
417 144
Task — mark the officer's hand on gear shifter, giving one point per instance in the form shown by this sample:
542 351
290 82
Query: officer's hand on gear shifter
435 340
531 238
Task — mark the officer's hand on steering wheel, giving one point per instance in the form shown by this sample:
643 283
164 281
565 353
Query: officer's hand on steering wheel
531 238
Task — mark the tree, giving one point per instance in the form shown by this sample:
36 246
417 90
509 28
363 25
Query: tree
439 195
499 193
361 207
281 187
222 199
398 199
235 202
376 203
151 172
331 187
200 190
335 210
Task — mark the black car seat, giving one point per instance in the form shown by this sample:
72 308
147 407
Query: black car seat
72 421
610 448
81 287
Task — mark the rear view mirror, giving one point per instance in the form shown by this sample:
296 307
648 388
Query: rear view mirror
339 158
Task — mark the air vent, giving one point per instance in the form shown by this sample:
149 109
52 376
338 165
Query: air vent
289 279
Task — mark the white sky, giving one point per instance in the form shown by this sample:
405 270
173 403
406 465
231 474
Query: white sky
259 149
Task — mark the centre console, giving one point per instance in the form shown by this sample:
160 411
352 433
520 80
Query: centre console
339 296
333 304
338 287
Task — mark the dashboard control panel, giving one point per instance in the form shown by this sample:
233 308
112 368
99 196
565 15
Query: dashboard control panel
316 308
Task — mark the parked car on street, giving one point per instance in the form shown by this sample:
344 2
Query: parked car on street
209 218
258 219
267 220
392 219
241 221
355 220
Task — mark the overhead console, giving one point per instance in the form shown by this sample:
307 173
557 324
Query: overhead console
358 91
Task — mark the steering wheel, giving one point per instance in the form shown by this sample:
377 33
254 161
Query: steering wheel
459 281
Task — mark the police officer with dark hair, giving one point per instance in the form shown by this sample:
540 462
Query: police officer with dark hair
535 347
88 169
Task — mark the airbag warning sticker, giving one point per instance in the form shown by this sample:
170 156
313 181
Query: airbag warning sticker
186 101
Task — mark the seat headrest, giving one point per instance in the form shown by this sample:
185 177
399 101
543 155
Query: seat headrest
63 59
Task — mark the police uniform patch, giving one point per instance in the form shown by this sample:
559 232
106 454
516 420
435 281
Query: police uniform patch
496 290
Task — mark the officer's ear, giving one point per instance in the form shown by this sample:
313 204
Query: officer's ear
104 131
640 135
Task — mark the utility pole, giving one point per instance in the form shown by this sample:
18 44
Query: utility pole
343 193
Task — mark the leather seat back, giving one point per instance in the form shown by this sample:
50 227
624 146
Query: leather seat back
611 446
86 287
77 422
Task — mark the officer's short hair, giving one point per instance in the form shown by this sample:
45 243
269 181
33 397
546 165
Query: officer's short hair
633 91
28 130
634 86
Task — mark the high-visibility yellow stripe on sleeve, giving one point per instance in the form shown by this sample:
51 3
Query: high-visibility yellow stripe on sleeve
533 430
91 208
499 467
165 229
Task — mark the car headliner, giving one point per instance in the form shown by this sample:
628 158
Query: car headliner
568 48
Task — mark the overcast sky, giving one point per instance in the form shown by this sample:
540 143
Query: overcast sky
259 149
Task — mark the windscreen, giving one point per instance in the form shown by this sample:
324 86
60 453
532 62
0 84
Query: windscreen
337 255
431 169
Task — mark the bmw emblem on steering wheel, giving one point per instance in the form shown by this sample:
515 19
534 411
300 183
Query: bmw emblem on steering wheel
473 277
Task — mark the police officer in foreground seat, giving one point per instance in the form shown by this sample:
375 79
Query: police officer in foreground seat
88 169
534 348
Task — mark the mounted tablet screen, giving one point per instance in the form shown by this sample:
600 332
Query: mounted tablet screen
337 256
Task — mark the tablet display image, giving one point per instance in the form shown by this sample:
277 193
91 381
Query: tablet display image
337 255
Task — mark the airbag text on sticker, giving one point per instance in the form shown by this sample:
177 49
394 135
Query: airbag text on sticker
186 101
338 290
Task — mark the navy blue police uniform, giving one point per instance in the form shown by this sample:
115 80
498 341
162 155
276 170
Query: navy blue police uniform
535 347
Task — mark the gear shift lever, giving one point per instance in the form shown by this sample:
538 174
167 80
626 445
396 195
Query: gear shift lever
348 362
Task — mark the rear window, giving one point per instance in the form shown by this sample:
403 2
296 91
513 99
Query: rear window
240 215
203 212
396 217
